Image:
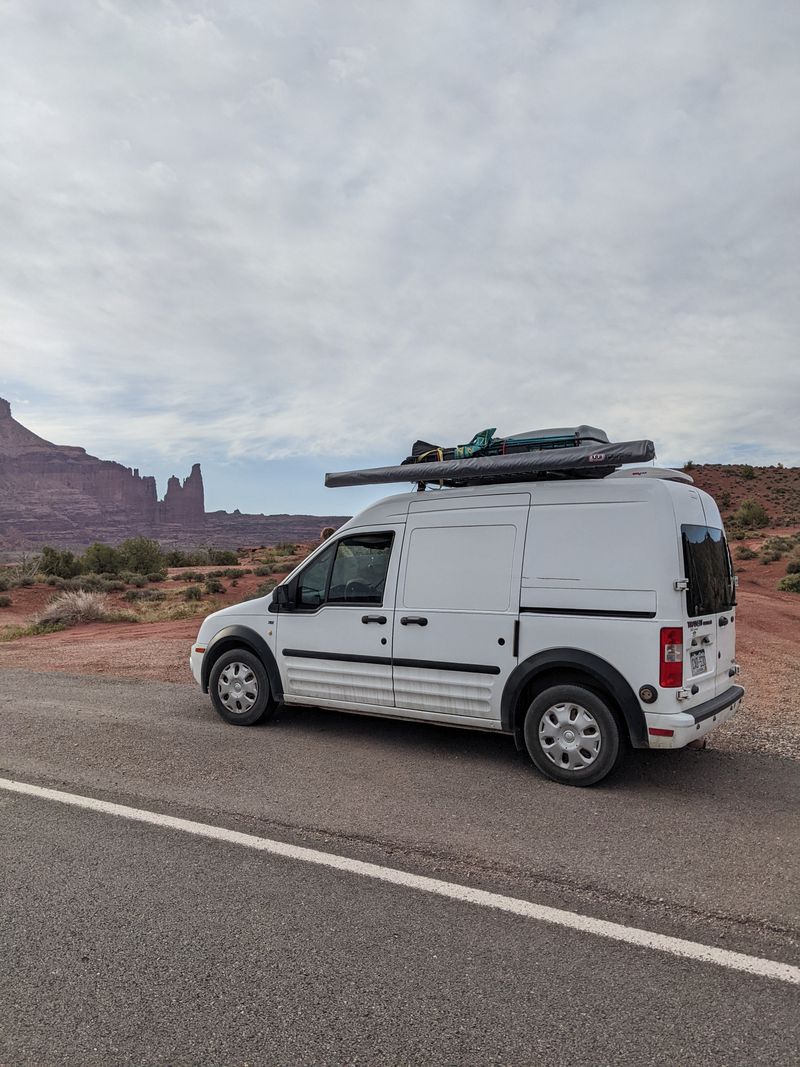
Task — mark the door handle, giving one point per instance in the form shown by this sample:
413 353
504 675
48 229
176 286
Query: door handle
380 619
723 622
413 620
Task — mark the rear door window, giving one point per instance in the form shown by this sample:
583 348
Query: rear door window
708 569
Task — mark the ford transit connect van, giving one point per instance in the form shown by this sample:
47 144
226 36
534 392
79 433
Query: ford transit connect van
578 616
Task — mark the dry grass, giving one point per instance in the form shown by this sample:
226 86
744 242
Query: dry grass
73 607
174 610
11 633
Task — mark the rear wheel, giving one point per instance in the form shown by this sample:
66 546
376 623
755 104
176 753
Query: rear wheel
239 688
572 735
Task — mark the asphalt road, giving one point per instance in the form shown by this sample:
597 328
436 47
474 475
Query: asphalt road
137 944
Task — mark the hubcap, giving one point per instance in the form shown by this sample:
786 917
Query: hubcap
569 736
238 688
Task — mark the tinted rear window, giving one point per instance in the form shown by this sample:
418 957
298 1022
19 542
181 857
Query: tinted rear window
708 568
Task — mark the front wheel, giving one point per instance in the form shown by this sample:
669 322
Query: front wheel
572 735
239 688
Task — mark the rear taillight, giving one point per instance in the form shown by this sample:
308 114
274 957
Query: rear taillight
671 662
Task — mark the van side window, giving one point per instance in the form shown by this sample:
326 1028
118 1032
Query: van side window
351 571
359 570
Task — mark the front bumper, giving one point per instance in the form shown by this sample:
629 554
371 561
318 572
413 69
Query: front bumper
196 665
692 724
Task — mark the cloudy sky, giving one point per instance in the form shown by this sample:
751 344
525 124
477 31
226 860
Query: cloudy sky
281 238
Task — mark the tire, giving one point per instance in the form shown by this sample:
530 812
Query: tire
572 735
239 688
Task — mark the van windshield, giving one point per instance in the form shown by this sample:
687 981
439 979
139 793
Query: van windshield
708 568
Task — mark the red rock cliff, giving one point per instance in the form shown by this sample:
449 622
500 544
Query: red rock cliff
60 495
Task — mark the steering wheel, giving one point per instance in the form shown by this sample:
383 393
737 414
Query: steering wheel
355 588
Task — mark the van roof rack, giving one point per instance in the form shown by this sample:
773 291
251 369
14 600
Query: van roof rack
595 460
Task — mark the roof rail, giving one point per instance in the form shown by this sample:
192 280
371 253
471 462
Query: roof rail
583 461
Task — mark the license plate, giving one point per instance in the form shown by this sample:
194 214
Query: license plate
698 661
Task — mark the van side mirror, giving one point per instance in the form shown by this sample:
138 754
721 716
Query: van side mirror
281 600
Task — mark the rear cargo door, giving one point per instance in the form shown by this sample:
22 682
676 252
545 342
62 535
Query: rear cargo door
710 605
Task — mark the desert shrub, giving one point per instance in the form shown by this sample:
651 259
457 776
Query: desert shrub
688 465
768 555
142 555
100 558
189 576
113 585
234 583
747 472
5 601
214 585
743 552
222 557
193 592
264 570
751 514
779 544
286 548
74 606
59 562
790 583
95 583
5 583
156 576
26 580
150 595
725 499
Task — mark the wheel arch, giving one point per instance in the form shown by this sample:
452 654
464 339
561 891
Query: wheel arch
241 637
573 666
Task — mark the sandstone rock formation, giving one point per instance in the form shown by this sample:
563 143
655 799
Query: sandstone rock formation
60 495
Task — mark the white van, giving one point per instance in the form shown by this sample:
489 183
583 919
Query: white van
579 616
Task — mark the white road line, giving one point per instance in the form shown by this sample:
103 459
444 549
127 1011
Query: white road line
676 946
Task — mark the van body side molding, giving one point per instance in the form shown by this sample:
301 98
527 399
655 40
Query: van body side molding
243 636
601 613
567 659
425 664
339 657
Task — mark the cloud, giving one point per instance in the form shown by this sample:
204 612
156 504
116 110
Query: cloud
312 230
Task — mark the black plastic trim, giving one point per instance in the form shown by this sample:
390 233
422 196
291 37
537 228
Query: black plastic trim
243 636
567 659
427 664
716 704
440 665
341 657
596 612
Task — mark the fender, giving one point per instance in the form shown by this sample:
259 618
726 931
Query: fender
596 668
247 638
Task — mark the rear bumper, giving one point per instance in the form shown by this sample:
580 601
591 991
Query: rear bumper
692 724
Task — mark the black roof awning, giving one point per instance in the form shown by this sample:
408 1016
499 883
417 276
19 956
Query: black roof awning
583 461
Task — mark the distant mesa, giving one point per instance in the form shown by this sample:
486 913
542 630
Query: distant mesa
60 495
